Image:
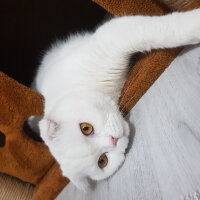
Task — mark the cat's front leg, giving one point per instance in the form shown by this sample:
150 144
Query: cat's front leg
131 34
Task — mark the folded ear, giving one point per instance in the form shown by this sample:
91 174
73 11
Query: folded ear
48 129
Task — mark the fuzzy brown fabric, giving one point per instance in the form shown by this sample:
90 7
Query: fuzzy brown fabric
130 7
176 5
20 156
28 160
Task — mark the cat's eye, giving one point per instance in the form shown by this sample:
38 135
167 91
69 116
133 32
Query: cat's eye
103 161
86 129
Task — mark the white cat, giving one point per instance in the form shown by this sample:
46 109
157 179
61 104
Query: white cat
81 79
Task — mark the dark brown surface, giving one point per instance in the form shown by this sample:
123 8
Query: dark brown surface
28 27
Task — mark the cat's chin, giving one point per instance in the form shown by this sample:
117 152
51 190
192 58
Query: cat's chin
82 183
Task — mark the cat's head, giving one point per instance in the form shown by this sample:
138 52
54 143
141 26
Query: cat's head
87 135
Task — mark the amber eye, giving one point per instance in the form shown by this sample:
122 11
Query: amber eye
103 161
86 129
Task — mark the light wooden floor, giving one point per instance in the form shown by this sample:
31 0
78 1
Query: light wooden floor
164 160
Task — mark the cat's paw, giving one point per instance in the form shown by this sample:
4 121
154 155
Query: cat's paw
194 26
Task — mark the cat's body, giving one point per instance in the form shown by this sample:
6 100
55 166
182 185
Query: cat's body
81 79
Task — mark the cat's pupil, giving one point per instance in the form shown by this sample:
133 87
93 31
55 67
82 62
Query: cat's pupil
101 161
85 128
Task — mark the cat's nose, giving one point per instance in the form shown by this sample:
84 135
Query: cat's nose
114 140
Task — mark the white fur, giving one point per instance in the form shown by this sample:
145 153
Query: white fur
81 79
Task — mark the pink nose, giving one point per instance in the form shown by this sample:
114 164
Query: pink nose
114 140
